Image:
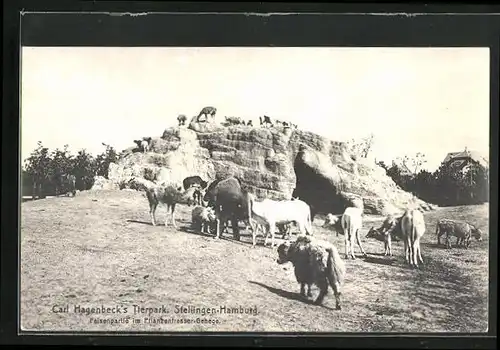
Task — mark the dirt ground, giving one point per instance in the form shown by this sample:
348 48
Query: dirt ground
99 249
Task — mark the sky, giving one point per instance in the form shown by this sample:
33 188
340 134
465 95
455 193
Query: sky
429 100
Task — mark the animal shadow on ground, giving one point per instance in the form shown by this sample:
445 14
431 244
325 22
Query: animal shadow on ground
140 222
158 223
380 259
288 295
434 245
225 237
189 229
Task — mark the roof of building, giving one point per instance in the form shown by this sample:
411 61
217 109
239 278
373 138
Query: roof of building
466 154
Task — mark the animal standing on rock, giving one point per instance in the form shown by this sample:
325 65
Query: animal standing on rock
265 121
207 111
182 119
145 146
234 121
389 228
412 228
351 224
170 196
315 263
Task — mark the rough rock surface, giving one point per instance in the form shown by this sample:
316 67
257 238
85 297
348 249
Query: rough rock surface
270 162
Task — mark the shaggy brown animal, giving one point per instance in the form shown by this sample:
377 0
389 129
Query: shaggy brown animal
315 263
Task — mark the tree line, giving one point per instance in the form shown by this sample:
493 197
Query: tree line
47 166
446 186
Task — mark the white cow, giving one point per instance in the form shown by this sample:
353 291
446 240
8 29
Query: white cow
412 228
268 213
351 224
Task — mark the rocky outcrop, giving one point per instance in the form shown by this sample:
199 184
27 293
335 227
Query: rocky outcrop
270 162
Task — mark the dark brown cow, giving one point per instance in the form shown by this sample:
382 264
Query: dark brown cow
230 202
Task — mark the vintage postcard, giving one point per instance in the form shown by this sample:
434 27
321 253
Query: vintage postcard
254 189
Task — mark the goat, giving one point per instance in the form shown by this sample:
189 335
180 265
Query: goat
389 227
170 196
207 111
265 121
351 224
460 229
181 119
412 228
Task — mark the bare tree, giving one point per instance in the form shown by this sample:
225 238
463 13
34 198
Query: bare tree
415 163
361 148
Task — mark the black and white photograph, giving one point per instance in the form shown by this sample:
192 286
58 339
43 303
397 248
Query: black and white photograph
254 189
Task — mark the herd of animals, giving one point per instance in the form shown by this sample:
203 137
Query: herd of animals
209 112
316 262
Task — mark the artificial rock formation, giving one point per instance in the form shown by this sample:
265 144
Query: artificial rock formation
270 162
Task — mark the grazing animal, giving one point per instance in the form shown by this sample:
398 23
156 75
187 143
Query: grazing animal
170 196
269 213
182 119
207 111
412 228
203 219
265 121
351 224
194 180
460 229
249 123
314 263
65 183
230 202
390 227
335 222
